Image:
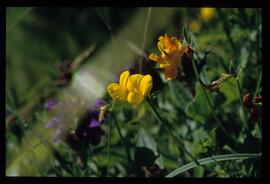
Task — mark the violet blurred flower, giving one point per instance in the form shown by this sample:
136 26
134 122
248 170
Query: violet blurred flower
53 122
57 136
94 123
59 130
100 102
89 130
51 104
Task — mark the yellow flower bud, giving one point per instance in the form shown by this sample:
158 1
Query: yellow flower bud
207 14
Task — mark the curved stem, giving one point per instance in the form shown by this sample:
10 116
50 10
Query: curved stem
210 160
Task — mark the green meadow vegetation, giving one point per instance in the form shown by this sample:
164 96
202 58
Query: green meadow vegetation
133 92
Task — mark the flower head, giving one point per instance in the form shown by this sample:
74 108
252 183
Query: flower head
171 52
207 14
139 87
133 88
51 104
119 90
195 26
89 130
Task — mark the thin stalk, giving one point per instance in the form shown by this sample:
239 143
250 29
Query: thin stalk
122 139
221 165
207 99
242 104
144 34
226 27
167 126
258 84
55 169
109 142
173 93
18 18
208 160
97 162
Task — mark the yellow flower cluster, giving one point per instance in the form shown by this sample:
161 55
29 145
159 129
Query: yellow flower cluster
134 88
131 88
171 52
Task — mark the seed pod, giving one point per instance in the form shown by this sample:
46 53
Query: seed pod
247 101
258 99
189 51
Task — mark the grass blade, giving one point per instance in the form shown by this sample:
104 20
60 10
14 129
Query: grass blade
210 160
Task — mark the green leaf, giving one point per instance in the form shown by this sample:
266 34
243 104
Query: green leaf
146 140
229 89
146 150
186 34
198 109
181 94
257 132
208 143
144 157
208 160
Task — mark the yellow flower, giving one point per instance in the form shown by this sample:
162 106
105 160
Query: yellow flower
195 26
139 87
207 13
132 88
119 91
171 52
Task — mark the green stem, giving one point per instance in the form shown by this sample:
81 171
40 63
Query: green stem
109 142
207 99
221 165
122 140
167 126
210 160
242 104
258 84
149 11
97 162
226 27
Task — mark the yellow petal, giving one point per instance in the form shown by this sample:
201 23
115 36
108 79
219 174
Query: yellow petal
117 92
146 85
134 81
123 79
183 49
178 43
160 46
135 98
157 58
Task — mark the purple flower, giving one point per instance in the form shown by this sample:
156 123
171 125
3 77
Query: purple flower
58 135
100 102
53 122
89 130
94 123
51 104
